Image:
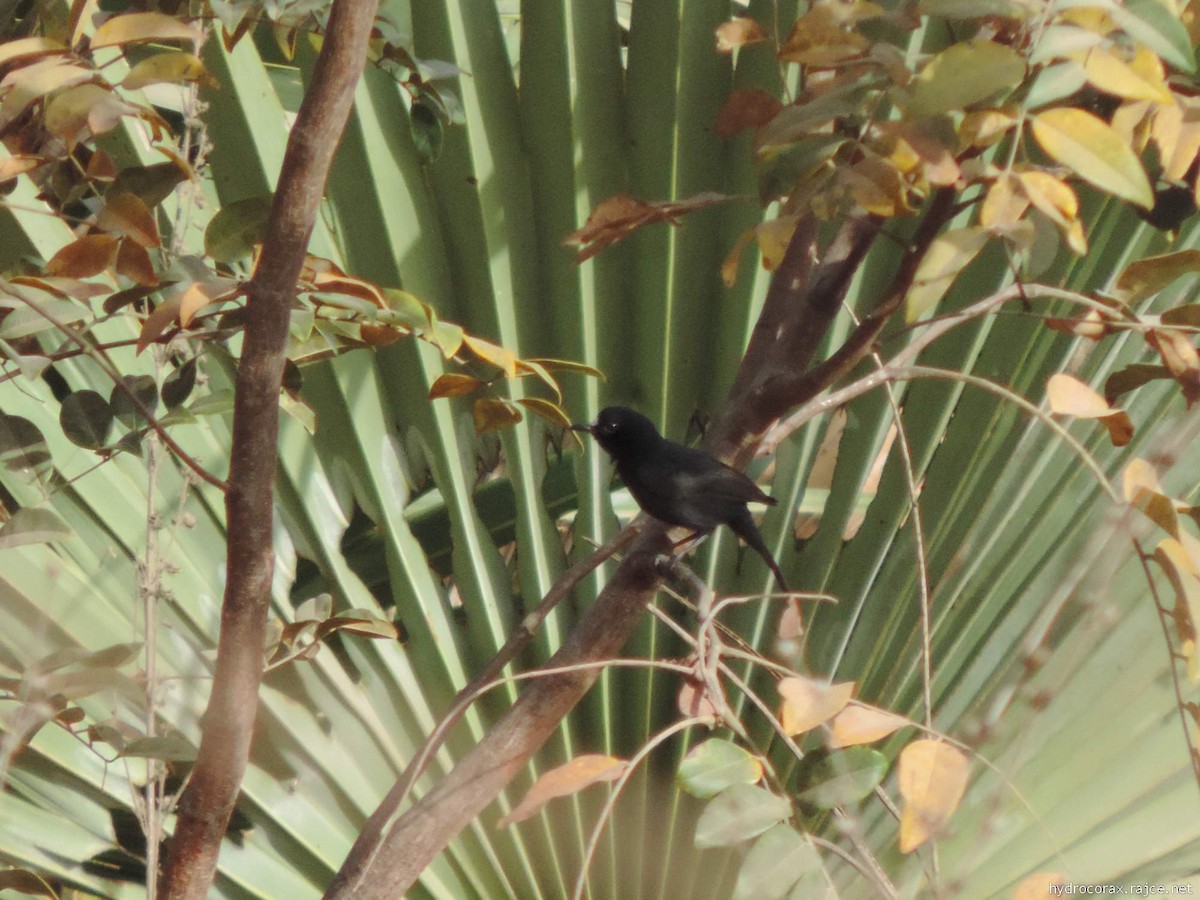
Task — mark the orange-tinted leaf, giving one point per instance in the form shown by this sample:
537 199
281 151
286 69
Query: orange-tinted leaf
1142 490
745 108
1092 149
619 216
500 357
1051 196
567 365
159 321
808 703
693 703
863 725
338 283
544 409
819 39
84 257
133 261
167 68
729 268
492 415
1069 396
569 778
136 28
128 215
738 33
1092 325
936 159
12 166
199 295
453 384
1180 358
535 368
932 780
382 335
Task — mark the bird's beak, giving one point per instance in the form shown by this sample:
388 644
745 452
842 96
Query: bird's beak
587 428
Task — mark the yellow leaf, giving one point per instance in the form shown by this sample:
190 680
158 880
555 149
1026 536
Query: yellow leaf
134 28
500 357
863 725
159 321
569 778
1090 148
544 409
167 68
984 128
1002 205
808 703
932 779
1050 196
773 238
729 268
1141 80
948 255
27 85
963 75
1069 396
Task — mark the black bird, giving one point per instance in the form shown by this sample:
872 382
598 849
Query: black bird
680 485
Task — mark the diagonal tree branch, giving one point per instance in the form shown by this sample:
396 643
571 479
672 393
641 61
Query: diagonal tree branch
208 800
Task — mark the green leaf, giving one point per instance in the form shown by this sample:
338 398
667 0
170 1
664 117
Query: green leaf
778 859
948 255
1092 149
841 777
963 75
171 747
23 448
739 813
974 9
33 526
1055 82
123 407
86 419
237 227
1154 25
716 764
177 386
427 130
25 320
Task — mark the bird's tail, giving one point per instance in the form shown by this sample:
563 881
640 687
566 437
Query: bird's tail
746 529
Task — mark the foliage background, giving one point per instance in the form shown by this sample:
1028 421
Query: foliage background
1048 655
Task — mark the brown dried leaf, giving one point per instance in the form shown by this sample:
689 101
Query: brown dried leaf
492 415
745 108
619 216
127 215
453 384
84 257
133 261
569 778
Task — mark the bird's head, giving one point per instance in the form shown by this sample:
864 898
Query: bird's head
622 431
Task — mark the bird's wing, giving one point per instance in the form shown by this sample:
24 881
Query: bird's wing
691 488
